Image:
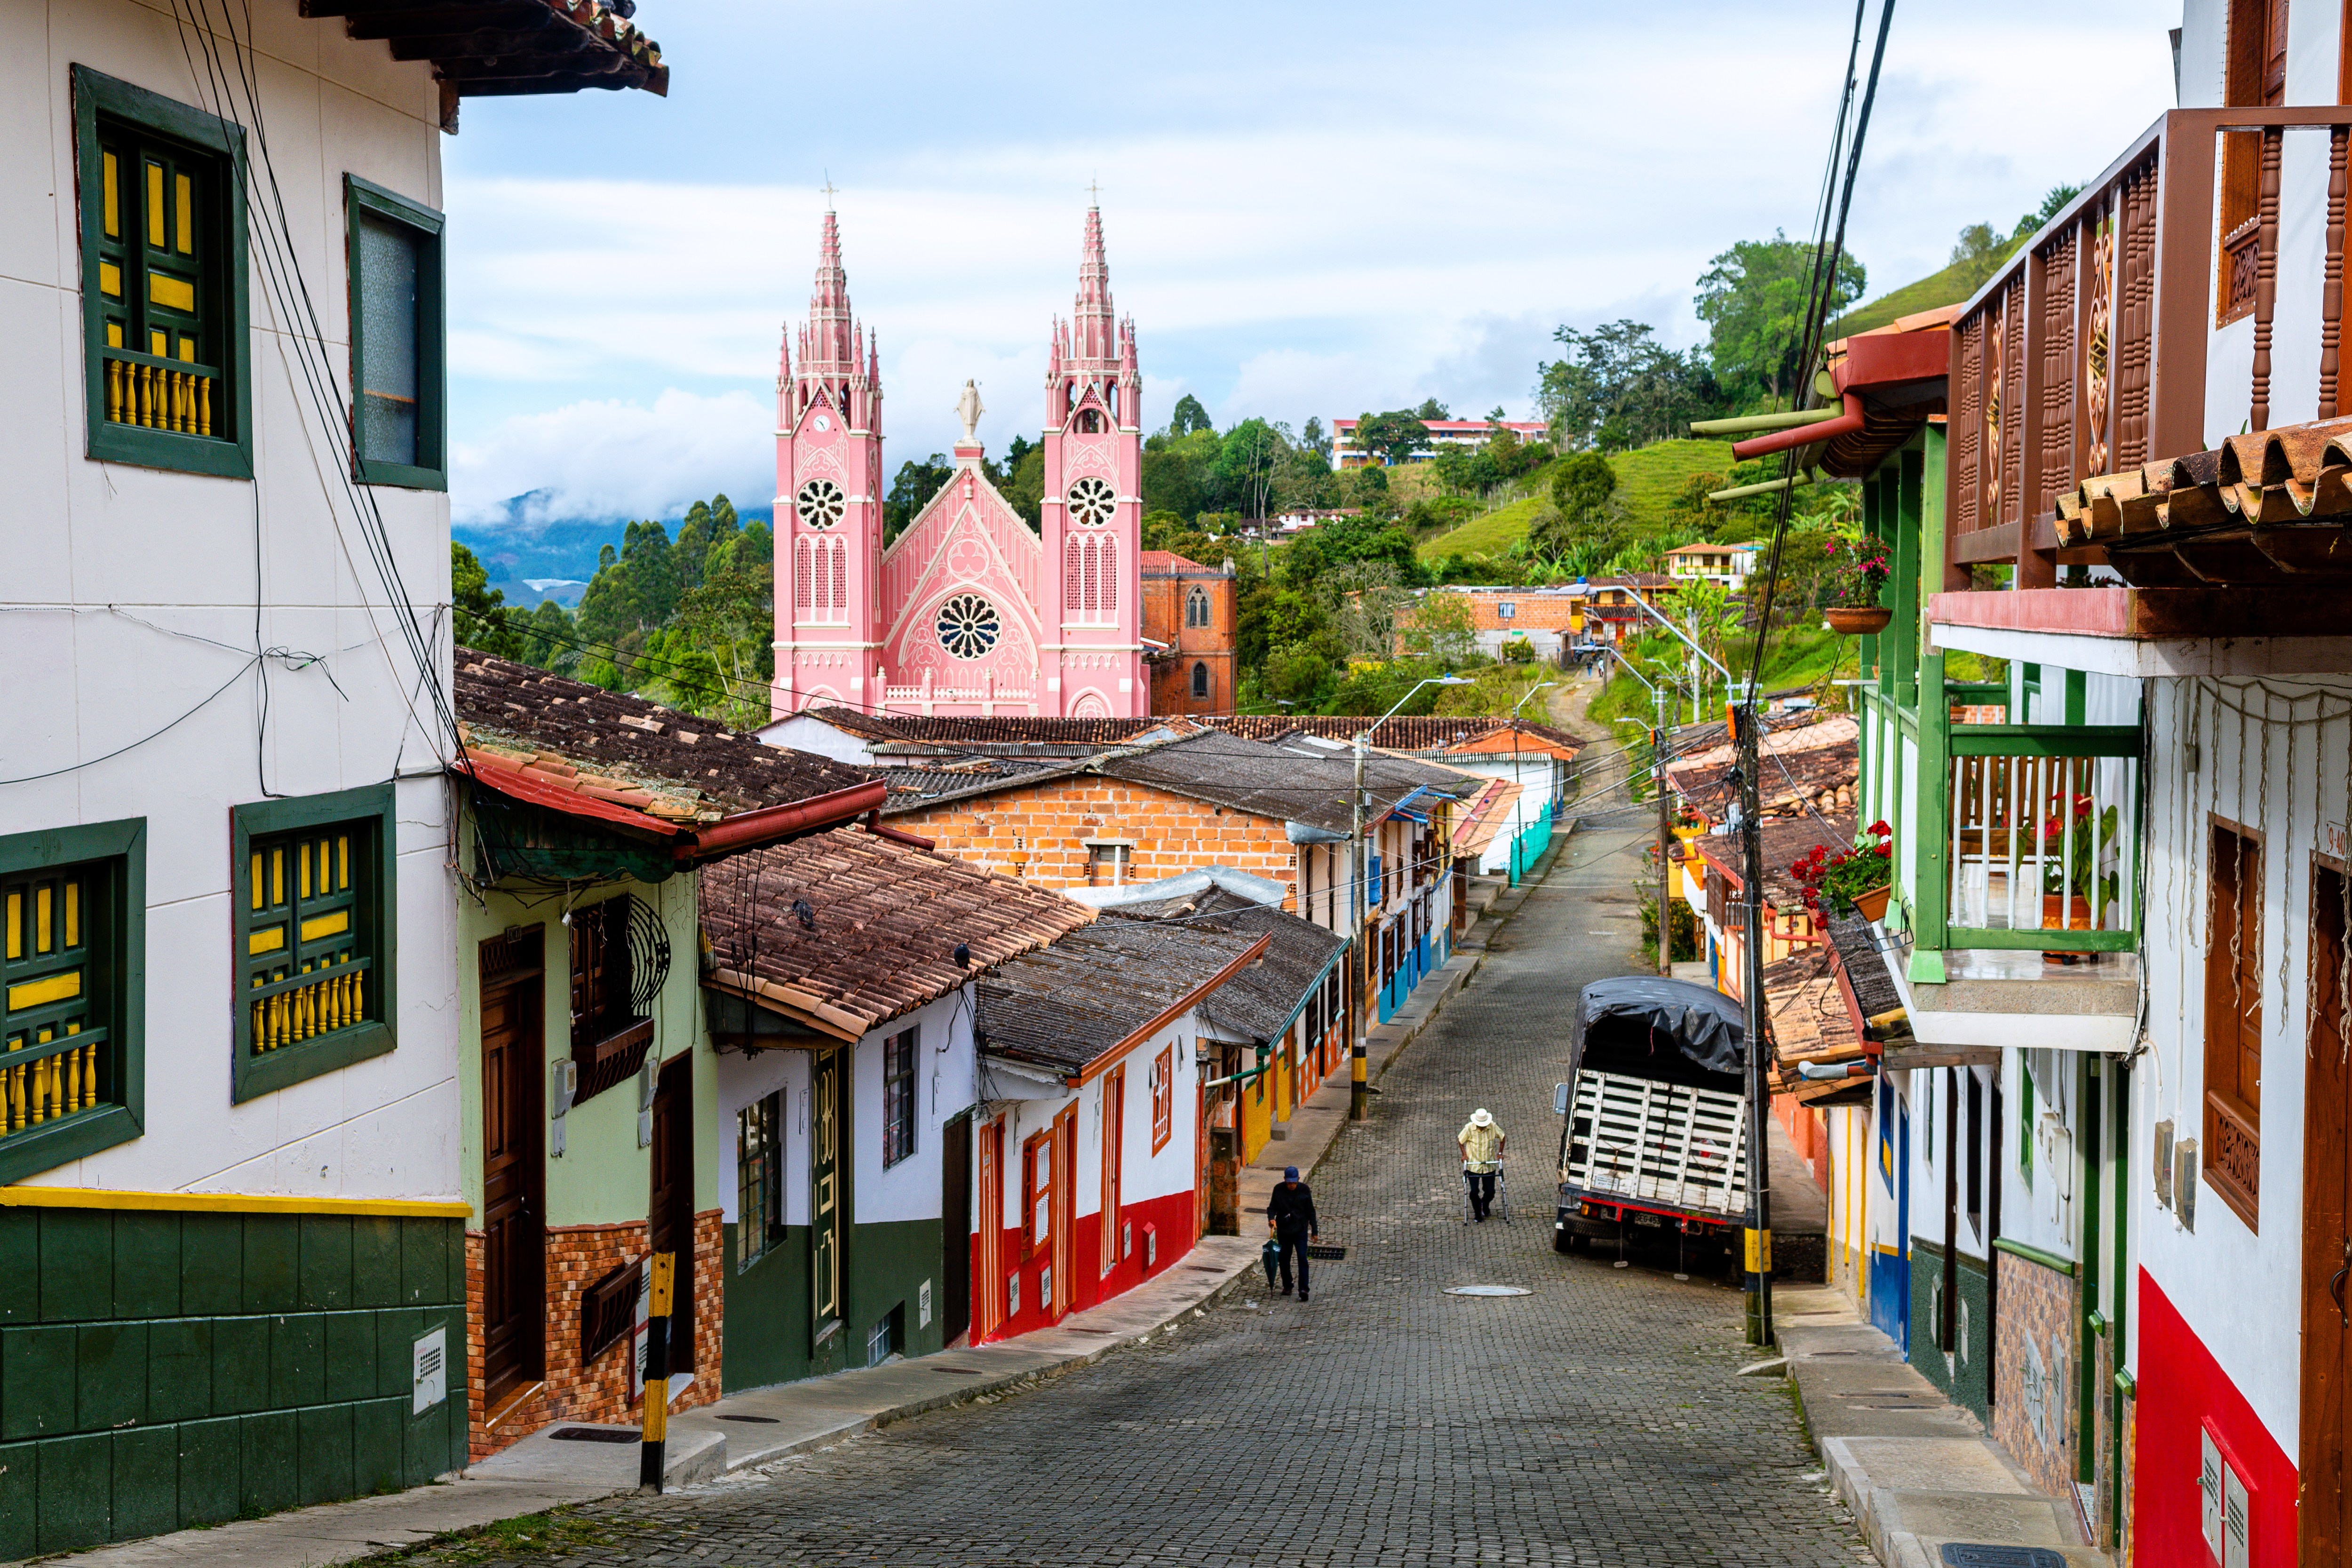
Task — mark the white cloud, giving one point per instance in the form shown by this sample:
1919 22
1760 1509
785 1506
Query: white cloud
611 458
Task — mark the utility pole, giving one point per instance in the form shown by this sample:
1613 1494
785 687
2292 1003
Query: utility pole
1360 1087
1749 722
1666 837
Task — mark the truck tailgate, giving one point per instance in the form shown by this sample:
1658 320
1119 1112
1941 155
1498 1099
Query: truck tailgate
1658 1143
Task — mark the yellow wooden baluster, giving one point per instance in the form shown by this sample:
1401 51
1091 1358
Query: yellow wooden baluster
359 998
204 405
114 391
89 1077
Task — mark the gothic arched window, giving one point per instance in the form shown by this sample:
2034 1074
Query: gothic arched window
1093 601
1109 579
801 574
1201 679
1090 422
1196 609
841 580
1071 572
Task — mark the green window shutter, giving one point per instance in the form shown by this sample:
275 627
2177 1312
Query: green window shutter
163 280
72 915
315 927
399 412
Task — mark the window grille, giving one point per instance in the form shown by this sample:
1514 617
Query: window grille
898 1099
1163 1098
759 1170
608 1309
1073 571
1107 863
163 280
840 548
1092 606
1109 548
800 570
620 960
55 1017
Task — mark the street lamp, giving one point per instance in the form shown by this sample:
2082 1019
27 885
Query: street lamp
1360 1097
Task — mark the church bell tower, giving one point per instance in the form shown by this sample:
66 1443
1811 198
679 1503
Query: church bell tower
829 490
1091 565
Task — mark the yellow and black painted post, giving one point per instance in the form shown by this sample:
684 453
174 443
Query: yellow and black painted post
654 1430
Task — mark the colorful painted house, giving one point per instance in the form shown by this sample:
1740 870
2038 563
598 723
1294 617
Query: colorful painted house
232 1206
586 1103
1089 1141
840 981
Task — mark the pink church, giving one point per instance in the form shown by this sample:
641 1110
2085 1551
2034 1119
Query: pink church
968 611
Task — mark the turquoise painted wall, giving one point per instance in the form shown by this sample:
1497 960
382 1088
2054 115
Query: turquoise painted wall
161 1370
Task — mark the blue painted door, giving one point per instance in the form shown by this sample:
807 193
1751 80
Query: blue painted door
1890 1266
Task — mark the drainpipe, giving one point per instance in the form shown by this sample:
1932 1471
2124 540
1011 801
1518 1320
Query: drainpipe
750 829
1845 424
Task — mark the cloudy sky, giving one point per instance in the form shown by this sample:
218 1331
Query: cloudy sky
1311 208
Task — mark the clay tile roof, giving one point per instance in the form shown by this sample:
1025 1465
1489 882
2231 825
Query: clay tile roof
1285 784
2223 509
1167 563
1090 992
504 47
884 920
1812 759
856 721
1260 1002
1013 729
1429 733
1864 966
562 735
1807 1021
1785 839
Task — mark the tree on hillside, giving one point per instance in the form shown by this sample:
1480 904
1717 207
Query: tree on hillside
1188 415
1442 626
1432 409
1581 484
483 620
912 491
1313 437
1753 299
1247 461
1619 388
1394 436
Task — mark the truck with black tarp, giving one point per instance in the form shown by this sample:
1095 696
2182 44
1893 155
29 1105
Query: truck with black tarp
1653 1134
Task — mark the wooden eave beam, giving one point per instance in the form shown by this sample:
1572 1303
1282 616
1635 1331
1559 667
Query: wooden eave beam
409 20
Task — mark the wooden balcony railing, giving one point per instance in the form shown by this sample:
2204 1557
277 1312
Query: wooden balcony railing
52 1076
2088 351
2041 833
160 394
318 1000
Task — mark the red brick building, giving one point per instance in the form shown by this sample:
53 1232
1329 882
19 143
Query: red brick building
1190 610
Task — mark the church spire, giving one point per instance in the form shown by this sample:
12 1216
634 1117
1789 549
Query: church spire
830 344
1093 327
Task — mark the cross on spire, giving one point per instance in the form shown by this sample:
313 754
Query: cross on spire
829 189
1094 193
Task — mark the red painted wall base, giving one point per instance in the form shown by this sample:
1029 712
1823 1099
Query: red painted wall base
2183 1392
1169 1218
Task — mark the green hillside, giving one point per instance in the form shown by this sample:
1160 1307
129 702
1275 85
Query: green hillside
1949 287
1647 480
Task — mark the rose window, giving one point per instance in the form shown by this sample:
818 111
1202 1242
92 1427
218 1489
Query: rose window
820 503
1092 501
968 625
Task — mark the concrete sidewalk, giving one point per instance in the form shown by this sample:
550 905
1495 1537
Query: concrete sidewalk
1917 1471
746 1430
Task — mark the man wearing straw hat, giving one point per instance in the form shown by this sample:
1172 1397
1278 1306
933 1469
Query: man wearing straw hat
1482 1155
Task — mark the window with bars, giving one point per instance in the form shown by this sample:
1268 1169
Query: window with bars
398 417
162 280
759 1178
314 929
899 1098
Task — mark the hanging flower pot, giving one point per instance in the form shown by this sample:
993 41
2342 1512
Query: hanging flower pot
1872 905
1858 620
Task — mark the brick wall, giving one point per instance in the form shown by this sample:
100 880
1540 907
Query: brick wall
1164 595
577 1256
1041 833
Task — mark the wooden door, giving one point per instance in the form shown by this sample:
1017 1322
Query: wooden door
1202 1141
824 1191
669 1212
1114 1123
955 1228
1064 1149
2327 1523
990 1313
514 1172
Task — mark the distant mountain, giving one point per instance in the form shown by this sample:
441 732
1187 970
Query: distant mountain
521 547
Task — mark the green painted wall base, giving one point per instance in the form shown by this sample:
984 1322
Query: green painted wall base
163 1370
766 1316
1965 1371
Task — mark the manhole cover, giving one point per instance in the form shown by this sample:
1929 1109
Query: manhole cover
592 1434
762 1420
1487 1290
1958 1554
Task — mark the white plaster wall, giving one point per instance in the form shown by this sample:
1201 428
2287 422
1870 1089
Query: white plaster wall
2238 1290
799 732
742 1080
1936 1097
134 593
943 1071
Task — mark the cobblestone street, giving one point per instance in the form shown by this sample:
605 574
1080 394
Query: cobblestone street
1597 1420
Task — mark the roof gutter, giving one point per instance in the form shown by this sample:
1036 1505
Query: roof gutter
1185 1004
1845 424
751 830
